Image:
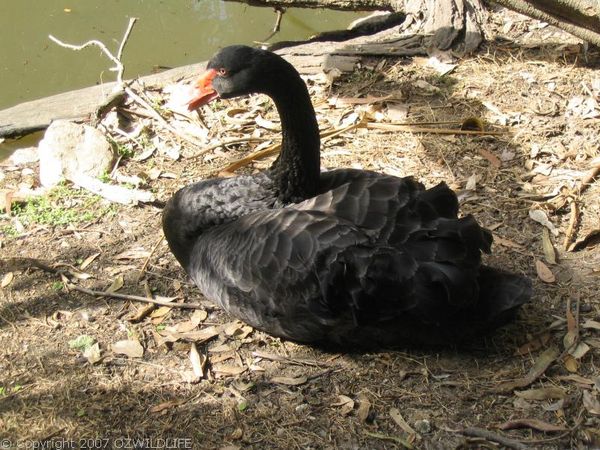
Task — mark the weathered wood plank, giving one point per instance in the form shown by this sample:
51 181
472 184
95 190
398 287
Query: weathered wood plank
36 115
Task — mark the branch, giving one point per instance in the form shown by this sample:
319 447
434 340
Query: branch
341 5
119 68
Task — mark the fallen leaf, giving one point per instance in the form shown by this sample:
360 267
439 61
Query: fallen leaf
135 253
533 345
577 379
290 381
198 316
507 242
87 261
228 370
166 405
544 273
160 312
116 284
589 240
92 353
549 251
397 417
591 324
198 362
580 350
267 124
130 348
542 393
539 367
540 216
346 404
7 279
364 407
534 424
472 182
493 159
571 364
591 403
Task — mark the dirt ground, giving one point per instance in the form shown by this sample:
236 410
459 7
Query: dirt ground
533 384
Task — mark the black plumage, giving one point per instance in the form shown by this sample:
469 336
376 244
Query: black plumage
346 257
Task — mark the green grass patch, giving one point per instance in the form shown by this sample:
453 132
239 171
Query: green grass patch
62 206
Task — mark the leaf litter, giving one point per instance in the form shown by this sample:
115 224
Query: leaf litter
513 177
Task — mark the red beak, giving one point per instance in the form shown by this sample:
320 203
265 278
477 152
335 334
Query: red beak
203 91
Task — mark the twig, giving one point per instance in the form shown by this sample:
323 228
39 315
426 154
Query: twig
386 437
573 222
136 298
280 11
413 129
119 68
493 437
224 144
143 269
155 115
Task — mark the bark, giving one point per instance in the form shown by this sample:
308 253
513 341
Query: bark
581 18
341 5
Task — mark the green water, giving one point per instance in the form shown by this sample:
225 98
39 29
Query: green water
169 33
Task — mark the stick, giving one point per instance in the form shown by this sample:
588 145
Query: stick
402 127
136 298
225 144
493 437
143 269
119 68
573 221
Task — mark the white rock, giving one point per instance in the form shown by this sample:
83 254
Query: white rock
69 149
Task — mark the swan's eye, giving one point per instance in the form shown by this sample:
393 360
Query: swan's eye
222 72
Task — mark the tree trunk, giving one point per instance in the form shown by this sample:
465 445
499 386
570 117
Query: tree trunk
581 18
458 20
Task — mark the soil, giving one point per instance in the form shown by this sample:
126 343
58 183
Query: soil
534 383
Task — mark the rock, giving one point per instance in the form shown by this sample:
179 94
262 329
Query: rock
69 149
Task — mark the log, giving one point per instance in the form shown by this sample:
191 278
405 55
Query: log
36 115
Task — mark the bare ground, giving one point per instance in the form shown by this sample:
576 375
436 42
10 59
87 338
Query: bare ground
259 392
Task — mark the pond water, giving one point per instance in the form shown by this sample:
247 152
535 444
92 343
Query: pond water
169 33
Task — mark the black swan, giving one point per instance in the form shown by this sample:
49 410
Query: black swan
346 257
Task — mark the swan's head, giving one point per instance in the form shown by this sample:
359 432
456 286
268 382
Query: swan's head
239 70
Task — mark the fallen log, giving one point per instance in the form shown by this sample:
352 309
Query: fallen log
36 115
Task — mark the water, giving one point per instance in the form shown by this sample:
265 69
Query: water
169 33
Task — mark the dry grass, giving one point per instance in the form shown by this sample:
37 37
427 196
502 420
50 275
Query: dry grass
50 391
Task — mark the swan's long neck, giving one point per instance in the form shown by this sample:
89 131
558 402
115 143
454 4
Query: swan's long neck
296 171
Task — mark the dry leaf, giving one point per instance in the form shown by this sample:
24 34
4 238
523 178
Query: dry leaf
539 367
160 312
116 284
166 405
542 393
135 253
577 379
346 403
580 350
290 381
7 279
92 353
198 362
571 364
472 182
591 324
397 417
591 403
534 424
534 344
507 242
130 348
544 272
549 251
540 216
493 159
87 261
267 124
229 370
198 316
364 407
